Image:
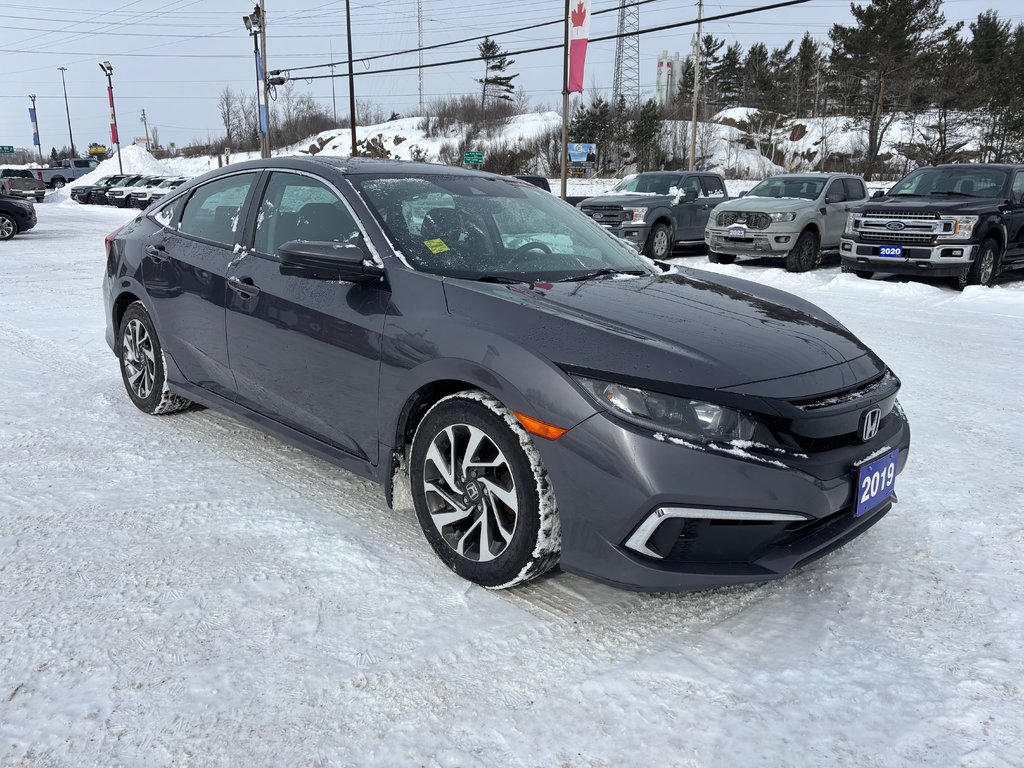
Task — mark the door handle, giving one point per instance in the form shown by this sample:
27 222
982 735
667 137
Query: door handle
157 253
244 287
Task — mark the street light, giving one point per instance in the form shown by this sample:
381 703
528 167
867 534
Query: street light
68 110
35 127
108 70
254 27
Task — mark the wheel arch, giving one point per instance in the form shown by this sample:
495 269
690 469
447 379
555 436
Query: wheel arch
812 227
120 305
994 232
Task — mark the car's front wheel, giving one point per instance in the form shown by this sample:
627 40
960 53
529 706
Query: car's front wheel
805 255
8 226
721 258
142 364
659 242
985 268
482 494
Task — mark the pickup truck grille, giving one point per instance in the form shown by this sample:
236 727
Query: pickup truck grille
607 214
896 237
898 215
752 220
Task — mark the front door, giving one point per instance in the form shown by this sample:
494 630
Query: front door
837 208
305 352
184 269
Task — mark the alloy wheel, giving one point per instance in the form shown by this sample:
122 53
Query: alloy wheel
470 492
988 261
6 228
138 359
660 243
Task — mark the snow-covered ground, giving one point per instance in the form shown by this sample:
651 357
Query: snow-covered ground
186 591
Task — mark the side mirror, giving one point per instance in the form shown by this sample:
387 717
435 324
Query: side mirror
879 193
831 199
743 193
326 261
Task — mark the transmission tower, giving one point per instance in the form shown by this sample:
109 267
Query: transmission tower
627 56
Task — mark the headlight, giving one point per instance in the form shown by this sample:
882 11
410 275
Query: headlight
782 216
963 227
639 214
678 416
849 223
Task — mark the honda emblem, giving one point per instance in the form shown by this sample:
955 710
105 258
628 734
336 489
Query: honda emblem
869 423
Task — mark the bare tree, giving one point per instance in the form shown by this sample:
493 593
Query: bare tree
229 107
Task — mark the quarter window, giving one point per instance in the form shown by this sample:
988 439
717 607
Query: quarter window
298 207
214 211
167 214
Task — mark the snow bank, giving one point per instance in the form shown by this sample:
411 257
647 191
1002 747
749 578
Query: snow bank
134 159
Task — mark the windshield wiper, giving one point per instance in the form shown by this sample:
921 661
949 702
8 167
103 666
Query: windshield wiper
955 194
501 279
601 273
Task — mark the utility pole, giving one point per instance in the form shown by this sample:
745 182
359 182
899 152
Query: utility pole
263 73
68 110
334 98
253 25
565 105
146 126
696 84
35 128
351 79
419 28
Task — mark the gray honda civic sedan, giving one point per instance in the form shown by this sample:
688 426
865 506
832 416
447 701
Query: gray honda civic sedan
550 396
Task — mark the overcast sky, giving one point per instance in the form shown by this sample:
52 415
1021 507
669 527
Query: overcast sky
173 57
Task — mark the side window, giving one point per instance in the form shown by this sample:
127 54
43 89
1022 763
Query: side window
299 207
213 211
835 189
165 215
713 187
691 184
855 189
1017 191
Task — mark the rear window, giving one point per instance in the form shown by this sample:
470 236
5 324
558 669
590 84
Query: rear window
9 173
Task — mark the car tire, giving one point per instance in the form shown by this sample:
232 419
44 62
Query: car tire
143 370
985 268
721 258
659 242
805 255
8 226
39 198
496 505
58 183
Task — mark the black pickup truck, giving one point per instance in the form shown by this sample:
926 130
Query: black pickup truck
963 221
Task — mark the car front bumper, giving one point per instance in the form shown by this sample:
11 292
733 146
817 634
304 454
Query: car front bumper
757 242
948 259
26 218
670 517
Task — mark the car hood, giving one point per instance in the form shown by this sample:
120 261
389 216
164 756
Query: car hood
937 204
634 200
767 204
690 328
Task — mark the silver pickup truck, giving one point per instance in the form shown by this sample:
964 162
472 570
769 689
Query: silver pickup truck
18 182
56 176
793 217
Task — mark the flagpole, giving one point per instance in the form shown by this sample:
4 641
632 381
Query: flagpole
565 105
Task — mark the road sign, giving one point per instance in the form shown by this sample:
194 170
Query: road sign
472 158
6 150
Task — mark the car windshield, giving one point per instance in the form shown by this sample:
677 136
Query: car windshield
480 227
805 187
648 183
962 181
169 184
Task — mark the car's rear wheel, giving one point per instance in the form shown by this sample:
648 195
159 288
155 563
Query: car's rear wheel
58 184
8 226
721 258
805 255
659 242
142 364
481 493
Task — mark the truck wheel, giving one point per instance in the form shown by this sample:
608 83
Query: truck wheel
985 267
659 242
39 197
58 183
721 258
806 254
8 226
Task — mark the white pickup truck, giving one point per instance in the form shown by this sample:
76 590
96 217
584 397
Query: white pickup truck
57 176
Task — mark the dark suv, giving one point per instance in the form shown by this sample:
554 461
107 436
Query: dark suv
546 393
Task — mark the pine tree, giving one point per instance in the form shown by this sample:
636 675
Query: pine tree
645 136
757 81
730 76
495 83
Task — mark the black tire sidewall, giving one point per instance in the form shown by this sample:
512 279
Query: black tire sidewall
150 404
974 273
649 247
721 258
794 261
508 565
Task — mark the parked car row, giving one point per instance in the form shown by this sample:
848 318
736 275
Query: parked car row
964 221
124 190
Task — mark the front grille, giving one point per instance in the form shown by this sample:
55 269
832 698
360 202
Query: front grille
896 237
607 214
898 215
752 220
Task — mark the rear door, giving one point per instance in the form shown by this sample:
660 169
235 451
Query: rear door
690 217
305 352
1015 221
184 269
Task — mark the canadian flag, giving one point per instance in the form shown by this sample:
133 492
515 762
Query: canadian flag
579 33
